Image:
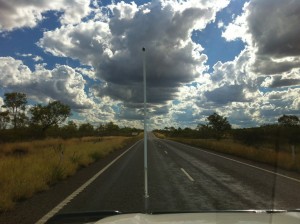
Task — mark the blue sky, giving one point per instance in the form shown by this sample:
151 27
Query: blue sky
202 57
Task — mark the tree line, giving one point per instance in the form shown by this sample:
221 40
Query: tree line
19 121
285 131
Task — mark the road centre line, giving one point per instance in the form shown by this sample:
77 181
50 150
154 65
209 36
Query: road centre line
246 164
186 173
56 209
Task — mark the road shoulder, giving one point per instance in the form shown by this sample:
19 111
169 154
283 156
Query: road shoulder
31 210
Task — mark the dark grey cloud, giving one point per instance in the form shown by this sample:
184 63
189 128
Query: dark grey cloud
284 83
132 96
278 81
113 46
271 30
226 94
130 114
168 64
264 65
274 26
159 110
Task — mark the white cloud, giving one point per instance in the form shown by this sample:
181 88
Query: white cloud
220 24
89 72
37 58
18 13
13 72
62 83
24 55
238 29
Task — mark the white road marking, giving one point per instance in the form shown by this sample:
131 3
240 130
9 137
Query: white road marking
46 217
246 164
186 173
166 152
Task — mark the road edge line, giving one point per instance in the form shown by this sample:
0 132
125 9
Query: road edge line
63 203
187 174
246 164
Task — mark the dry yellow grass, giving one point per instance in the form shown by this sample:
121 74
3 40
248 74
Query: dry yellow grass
30 167
159 135
282 159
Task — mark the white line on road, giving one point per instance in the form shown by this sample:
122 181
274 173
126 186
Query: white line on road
186 173
46 217
246 164
166 152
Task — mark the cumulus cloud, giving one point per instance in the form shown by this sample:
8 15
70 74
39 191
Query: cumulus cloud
113 46
277 103
270 59
62 83
101 112
270 29
19 13
13 72
231 81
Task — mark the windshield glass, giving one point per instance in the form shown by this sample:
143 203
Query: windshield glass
148 106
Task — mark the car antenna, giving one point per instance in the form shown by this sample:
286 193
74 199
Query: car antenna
145 133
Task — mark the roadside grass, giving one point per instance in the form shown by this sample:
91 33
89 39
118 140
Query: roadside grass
159 135
30 167
280 158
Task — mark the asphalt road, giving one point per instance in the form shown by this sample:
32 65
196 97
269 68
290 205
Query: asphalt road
182 178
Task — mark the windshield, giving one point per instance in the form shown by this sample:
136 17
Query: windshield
148 106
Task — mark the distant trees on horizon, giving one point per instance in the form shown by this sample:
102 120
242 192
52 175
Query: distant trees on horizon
286 131
40 121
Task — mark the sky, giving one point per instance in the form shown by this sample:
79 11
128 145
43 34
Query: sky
239 58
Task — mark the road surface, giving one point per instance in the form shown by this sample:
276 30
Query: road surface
182 178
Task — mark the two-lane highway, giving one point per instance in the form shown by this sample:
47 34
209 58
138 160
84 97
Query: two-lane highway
183 178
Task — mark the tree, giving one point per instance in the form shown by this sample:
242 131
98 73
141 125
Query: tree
70 130
289 128
289 120
86 129
4 119
16 104
219 124
71 126
205 131
111 127
50 115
